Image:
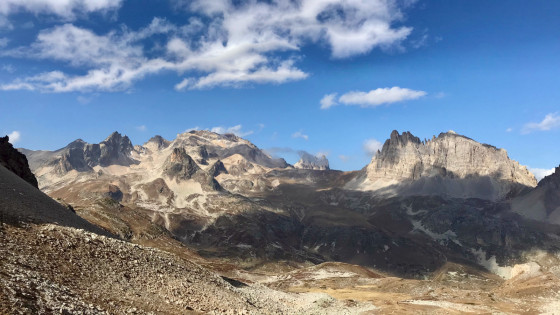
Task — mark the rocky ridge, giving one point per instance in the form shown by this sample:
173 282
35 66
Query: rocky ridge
449 164
311 162
543 202
220 195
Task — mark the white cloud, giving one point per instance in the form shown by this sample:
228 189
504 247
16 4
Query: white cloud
344 158
5 24
14 136
4 42
300 134
236 130
328 101
509 129
67 9
28 25
193 129
8 68
371 146
440 95
225 43
141 128
540 173
550 121
380 96
84 99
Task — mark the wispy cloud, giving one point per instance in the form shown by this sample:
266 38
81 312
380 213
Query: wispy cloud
8 68
540 173
371 146
4 42
5 23
328 100
225 43
192 129
550 121
236 130
82 99
14 136
372 98
440 95
141 128
67 9
344 158
300 134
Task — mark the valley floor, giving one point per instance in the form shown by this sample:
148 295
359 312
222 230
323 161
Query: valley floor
53 269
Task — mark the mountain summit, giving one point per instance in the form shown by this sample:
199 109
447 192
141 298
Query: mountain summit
449 164
312 162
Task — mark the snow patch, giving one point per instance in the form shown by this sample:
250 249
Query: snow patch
447 236
491 264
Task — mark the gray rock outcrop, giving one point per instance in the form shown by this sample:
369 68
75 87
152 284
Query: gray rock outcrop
312 162
179 165
82 156
448 164
543 202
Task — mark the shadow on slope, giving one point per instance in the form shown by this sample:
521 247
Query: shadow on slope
444 183
21 202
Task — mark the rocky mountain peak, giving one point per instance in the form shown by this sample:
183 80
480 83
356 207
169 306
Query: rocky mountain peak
115 150
158 141
115 136
401 140
552 179
117 141
312 162
217 168
180 165
405 159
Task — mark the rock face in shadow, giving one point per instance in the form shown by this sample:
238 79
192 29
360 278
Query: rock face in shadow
217 168
543 202
15 161
434 164
311 162
179 165
21 202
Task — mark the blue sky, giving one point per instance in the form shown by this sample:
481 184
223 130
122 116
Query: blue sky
333 76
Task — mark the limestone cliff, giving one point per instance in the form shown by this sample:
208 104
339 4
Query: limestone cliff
448 164
311 162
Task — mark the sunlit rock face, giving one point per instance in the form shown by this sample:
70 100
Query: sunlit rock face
449 164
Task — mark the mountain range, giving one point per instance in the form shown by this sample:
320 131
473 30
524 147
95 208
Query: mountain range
211 223
414 207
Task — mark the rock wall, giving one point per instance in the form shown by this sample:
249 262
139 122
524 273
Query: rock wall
15 161
452 159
